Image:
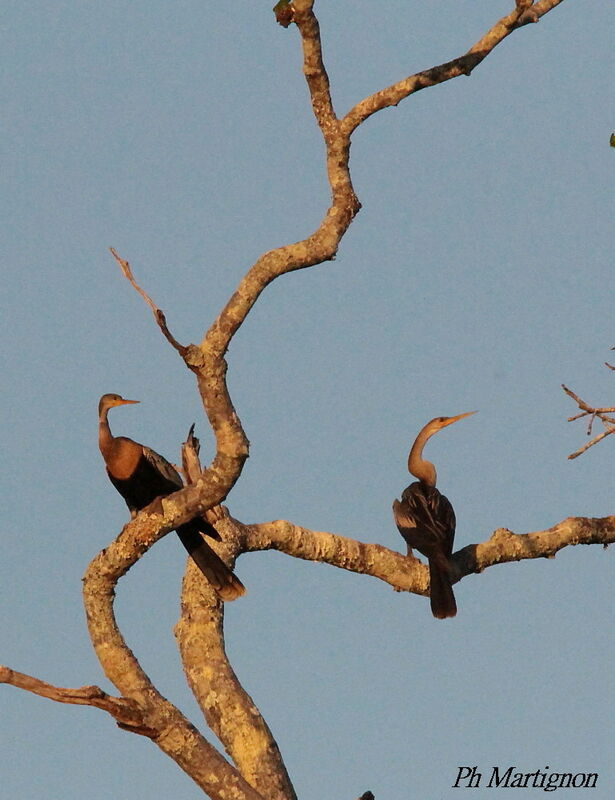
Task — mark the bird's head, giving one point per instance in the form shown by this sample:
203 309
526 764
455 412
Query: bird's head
438 423
108 401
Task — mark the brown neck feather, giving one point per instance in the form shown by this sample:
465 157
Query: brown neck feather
121 455
417 465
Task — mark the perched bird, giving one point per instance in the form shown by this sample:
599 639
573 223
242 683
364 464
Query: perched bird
426 520
141 475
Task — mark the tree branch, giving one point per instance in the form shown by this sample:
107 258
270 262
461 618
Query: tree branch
126 713
171 731
504 546
593 413
229 710
400 572
463 65
314 67
321 245
408 574
158 314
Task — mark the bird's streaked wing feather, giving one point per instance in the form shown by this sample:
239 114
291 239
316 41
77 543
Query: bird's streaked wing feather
163 466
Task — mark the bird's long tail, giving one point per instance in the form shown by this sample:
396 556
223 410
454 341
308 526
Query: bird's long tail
443 603
224 582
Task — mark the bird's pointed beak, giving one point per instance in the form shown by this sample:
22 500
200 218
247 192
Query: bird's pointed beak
127 402
450 420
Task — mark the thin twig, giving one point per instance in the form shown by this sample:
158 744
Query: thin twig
158 314
593 413
591 443
587 408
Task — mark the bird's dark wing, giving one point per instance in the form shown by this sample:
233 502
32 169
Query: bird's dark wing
403 517
163 468
428 507
425 519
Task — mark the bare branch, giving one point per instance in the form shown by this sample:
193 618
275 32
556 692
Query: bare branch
593 413
126 713
207 359
591 443
463 65
339 551
229 710
314 67
584 406
158 314
321 245
504 546
406 574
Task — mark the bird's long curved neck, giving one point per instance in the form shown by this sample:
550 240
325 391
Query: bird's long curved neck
121 455
417 465
105 437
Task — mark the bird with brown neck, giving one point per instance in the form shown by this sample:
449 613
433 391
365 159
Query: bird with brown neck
141 475
426 520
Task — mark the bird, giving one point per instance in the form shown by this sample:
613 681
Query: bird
141 475
426 520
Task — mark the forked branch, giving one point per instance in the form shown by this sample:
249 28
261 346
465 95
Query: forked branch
601 414
171 731
126 713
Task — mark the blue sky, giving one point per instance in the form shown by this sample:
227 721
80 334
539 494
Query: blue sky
478 275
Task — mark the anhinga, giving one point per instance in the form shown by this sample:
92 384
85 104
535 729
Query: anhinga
141 475
426 520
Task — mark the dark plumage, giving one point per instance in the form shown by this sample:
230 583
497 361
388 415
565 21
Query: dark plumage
426 520
141 475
